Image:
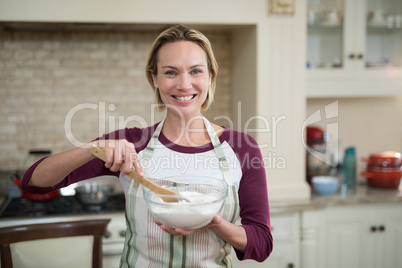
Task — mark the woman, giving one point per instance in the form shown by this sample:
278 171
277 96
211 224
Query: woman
182 70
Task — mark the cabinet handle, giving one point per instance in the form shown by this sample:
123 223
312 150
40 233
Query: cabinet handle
290 265
373 229
107 234
122 233
351 56
381 228
360 56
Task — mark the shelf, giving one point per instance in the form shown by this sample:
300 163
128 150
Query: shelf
382 28
325 26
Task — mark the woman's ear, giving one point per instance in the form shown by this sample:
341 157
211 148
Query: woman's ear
154 80
210 79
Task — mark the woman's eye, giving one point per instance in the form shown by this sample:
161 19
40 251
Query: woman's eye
170 73
196 71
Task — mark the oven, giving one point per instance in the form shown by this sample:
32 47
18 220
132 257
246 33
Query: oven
21 211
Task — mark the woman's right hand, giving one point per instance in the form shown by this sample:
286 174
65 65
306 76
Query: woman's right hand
118 153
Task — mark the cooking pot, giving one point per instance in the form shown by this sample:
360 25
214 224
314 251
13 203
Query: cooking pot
384 170
93 193
33 156
387 159
383 178
36 197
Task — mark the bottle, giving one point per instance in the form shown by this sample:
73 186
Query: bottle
349 170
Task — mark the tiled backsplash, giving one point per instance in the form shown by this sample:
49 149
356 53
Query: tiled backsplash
95 80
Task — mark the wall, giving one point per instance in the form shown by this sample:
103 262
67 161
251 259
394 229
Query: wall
44 76
370 124
277 53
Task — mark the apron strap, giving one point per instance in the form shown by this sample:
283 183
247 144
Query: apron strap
223 163
147 152
216 143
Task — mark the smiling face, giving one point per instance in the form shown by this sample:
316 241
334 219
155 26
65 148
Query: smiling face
183 77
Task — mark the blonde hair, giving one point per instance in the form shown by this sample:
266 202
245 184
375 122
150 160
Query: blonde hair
181 33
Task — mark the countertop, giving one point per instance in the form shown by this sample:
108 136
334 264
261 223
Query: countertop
363 195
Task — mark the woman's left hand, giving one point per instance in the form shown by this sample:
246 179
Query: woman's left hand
179 231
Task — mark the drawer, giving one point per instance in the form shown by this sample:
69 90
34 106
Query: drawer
285 227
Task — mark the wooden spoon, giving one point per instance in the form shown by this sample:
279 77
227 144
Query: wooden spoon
99 153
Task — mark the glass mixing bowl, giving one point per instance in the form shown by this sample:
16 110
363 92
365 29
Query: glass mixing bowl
204 199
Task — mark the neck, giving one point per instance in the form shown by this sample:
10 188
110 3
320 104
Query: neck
186 131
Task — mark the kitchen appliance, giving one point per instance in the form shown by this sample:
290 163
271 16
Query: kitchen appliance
93 194
315 166
383 170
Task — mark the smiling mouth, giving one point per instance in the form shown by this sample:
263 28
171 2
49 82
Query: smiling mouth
185 98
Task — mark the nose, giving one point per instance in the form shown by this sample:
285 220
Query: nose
184 82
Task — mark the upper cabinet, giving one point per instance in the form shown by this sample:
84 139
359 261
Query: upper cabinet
354 48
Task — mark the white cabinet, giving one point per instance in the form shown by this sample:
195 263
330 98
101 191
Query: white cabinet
354 48
357 236
111 261
285 254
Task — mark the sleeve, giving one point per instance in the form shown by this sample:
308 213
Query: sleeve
91 169
253 199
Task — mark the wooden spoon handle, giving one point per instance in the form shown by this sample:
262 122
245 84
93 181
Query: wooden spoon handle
99 153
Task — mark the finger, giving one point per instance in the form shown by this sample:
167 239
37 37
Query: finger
130 155
185 232
166 228
118 158
217 219
127 161
109 157
169 230
136 163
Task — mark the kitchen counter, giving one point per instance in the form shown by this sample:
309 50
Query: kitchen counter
363 195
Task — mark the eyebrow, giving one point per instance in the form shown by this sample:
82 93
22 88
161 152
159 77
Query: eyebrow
175 68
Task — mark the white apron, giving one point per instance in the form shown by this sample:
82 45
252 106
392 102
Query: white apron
147 245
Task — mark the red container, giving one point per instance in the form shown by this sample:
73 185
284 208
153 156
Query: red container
36 197
384 160
383 178
384 170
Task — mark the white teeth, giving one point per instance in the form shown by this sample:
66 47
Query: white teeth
186 98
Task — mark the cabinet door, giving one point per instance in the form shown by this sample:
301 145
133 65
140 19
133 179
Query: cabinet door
111 261
361 56
329 38
392 239
282 257
285 254
347 243
382 38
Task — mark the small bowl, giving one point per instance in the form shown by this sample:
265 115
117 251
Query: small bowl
325 185
205 196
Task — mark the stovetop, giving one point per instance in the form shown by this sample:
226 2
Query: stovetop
60 206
